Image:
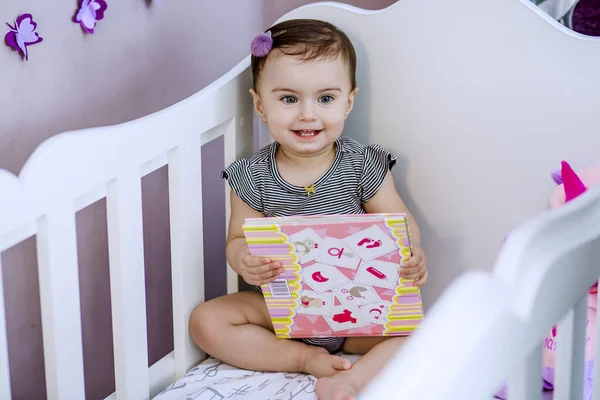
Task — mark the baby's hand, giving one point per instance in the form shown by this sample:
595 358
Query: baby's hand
415 267
258 270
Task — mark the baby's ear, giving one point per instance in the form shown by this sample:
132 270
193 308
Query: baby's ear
258 106
351 97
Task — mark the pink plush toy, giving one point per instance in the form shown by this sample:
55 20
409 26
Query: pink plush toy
570 185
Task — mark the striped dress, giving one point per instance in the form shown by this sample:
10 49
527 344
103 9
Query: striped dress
353 178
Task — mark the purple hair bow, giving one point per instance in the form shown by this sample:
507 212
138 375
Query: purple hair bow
261 44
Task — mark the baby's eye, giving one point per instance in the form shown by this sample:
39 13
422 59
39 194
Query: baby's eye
289 99
326 99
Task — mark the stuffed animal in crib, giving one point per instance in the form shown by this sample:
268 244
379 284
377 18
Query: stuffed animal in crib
570 185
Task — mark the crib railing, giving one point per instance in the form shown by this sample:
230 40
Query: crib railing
73 170
487 329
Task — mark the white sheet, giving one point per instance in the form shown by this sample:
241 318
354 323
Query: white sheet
215 380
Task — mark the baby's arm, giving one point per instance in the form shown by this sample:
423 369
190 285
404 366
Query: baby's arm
387 200
254 270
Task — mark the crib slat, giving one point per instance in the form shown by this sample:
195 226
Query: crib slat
5 391
59 297
570 352
127 284
524 384
187 249
231 143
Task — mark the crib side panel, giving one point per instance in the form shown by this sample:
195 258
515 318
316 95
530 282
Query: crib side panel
75 169
497 324
466 332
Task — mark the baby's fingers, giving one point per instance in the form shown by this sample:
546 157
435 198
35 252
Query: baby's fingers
270 276
413 261
421 281
262 269
411 272
252 261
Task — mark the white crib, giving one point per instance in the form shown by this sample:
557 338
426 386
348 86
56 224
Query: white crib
475 97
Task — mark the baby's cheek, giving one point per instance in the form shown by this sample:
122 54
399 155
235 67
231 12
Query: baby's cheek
335 122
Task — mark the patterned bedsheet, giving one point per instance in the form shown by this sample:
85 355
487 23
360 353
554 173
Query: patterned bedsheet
215 380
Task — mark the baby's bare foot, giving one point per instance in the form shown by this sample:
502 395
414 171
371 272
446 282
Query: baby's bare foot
319 363
337 387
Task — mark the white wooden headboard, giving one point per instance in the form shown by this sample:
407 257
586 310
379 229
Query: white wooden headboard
475 97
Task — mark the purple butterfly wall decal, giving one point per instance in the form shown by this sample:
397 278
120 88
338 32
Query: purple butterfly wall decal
90 12
22 34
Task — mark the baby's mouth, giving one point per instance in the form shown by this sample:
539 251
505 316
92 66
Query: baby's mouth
307 132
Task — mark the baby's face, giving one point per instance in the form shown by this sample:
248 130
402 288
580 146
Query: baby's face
304 104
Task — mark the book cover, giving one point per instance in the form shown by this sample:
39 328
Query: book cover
340 275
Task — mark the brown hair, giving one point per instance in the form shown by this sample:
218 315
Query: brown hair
309 39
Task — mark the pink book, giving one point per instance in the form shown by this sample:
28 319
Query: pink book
340 275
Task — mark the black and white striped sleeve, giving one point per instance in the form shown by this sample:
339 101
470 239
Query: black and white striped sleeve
376 163
240 178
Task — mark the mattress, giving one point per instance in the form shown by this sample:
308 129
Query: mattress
214 380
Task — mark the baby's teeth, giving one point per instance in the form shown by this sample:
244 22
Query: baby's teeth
307 133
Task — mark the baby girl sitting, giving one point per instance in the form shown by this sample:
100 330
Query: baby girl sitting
304 89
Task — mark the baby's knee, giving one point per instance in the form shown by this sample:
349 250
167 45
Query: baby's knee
203 323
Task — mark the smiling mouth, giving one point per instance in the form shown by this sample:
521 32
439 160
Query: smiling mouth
307 133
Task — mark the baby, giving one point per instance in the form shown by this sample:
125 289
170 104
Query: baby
304 89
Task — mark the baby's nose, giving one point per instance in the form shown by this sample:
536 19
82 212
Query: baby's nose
307 113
